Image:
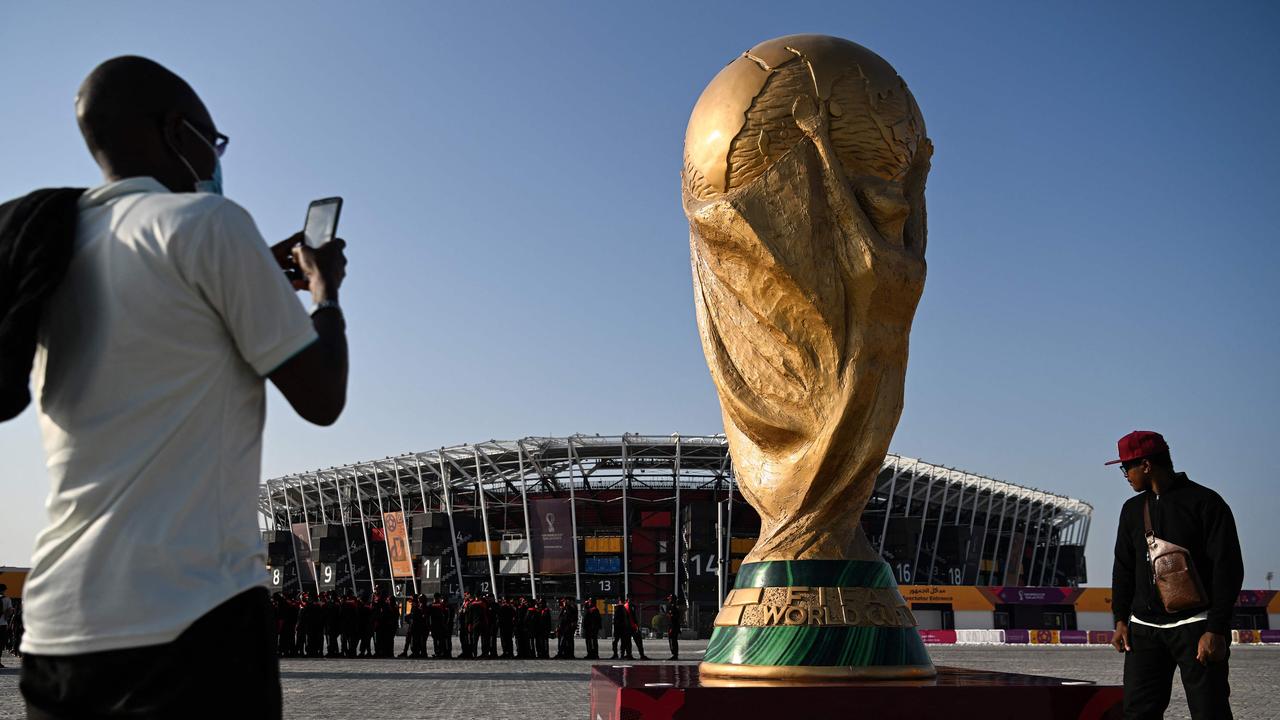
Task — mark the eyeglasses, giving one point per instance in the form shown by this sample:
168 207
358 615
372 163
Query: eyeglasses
219 141
1125 467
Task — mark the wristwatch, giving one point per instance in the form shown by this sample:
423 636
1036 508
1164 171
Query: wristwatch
325 304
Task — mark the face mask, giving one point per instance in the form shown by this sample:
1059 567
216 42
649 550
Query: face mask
214 184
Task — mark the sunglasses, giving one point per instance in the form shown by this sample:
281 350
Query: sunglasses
1125 467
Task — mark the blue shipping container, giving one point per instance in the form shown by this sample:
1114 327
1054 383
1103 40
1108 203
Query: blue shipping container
604 564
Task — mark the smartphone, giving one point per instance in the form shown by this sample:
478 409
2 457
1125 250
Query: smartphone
322 222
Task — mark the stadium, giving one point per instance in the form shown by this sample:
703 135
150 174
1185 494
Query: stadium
640 515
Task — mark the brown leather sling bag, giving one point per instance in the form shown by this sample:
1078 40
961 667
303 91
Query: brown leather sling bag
1175 577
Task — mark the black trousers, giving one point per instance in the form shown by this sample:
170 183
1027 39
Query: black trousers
315 643
224 665
623 636
474 648
1148 673
564 644
544 647
437 643
593 647
465 641
674 641
286 640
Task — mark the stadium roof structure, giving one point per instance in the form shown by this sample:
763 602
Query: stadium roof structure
499 473
599 462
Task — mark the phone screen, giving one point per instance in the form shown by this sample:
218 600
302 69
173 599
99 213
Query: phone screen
322 222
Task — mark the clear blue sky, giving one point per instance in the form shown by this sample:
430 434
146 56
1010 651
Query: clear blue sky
1103 210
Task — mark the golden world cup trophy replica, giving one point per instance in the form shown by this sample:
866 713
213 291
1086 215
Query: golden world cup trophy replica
804 174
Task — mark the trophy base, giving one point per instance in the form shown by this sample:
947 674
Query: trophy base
816 620
819 673
681 692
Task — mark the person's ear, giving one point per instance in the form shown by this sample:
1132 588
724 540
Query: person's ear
171 129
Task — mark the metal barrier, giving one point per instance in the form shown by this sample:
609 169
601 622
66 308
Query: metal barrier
979 637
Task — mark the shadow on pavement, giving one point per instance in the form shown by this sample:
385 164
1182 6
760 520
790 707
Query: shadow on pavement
544 676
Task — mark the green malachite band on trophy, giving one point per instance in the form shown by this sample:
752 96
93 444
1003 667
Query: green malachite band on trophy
809 645
801 650
816 573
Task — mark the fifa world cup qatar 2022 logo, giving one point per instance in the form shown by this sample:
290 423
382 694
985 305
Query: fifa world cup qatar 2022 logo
804 172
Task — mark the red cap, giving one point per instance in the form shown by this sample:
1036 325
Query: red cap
1139 444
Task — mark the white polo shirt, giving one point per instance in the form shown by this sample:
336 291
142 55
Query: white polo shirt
149 384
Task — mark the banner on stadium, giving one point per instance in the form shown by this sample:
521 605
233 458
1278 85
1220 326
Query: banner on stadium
302 551
1015 636
553 539
1042 637
1255 598
1013 569
1100 637
1014 595
1245 636
1073 637
959 597
397 544
938 637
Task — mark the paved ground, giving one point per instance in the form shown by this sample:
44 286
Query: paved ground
556 689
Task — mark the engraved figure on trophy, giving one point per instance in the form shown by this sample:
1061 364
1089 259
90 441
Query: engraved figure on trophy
804 175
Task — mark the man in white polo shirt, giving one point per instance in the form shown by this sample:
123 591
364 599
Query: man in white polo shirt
146 593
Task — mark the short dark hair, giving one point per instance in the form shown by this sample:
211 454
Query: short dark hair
123 92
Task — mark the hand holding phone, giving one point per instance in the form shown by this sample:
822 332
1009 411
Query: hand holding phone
322 222
322 270
319 231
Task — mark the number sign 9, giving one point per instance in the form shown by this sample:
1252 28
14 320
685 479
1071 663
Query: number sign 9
325 575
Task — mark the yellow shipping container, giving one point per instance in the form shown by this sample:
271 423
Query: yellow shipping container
476 548
611 544
734 565
742 546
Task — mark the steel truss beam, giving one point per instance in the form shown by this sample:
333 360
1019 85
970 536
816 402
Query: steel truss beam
502 473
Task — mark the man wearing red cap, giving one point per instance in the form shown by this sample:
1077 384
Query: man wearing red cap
1194 636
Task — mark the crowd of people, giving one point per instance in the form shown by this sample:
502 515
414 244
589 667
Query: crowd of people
333 625
10 625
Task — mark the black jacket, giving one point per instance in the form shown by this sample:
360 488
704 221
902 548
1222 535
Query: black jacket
674 620
591 622
568 622
37 236
621 619
1199 520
